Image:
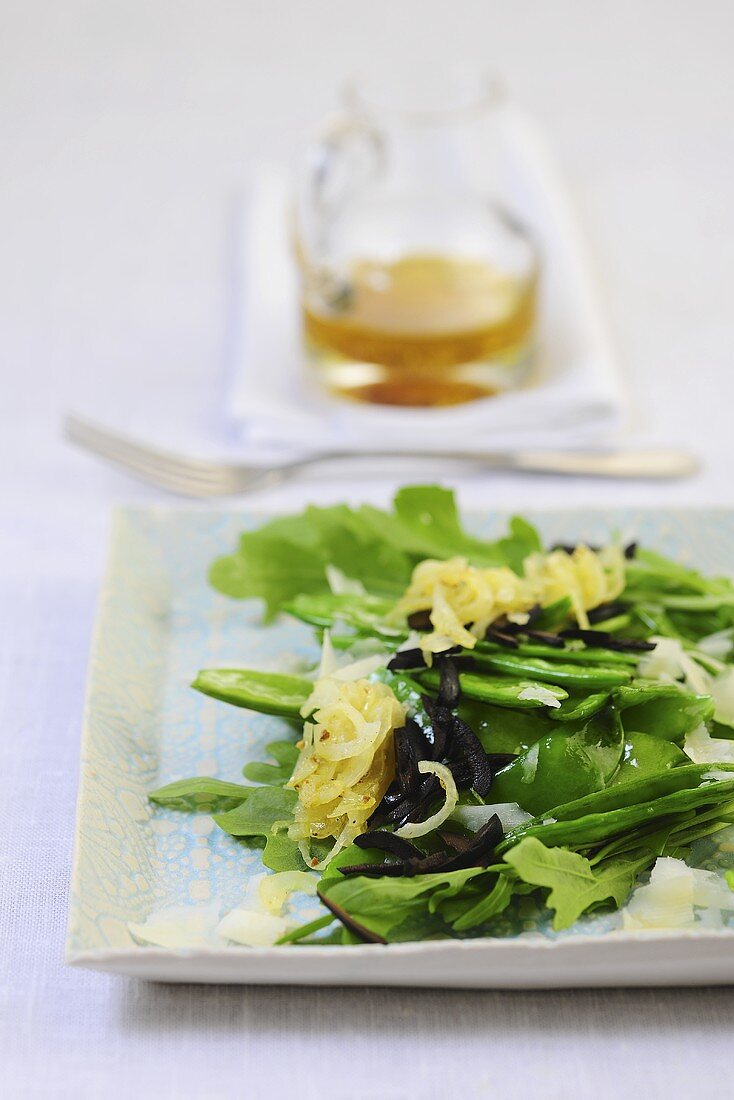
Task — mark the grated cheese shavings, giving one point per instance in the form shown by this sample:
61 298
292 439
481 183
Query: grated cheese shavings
463 599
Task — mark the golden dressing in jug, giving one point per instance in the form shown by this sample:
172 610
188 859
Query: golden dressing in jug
424 330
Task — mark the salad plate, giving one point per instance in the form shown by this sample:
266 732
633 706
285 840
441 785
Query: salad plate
151 884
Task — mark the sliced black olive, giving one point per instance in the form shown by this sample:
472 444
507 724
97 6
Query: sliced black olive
449 689
388 842
501 637
405 659
420 620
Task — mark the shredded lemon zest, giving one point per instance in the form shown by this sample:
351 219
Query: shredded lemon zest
463 600
346 764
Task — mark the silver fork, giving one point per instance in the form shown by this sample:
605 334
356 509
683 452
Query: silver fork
201 478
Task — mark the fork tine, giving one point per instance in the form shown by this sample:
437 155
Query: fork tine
181 477
90 435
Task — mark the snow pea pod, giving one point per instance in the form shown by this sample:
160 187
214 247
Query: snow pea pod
577 707
667 711
595 827
551 673
641 790
367 614
504 691
568 763
266 692
501 729
645 755
674 601
586 655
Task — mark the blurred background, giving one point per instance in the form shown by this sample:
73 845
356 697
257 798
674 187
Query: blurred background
129 130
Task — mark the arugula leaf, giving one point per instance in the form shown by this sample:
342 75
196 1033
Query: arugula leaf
275 775
381 906
281 853
305 930
574 885
200 795
252 821
288 556
256 816
491 905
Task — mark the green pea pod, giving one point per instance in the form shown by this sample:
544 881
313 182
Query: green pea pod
675 601
266 692
565 765
584 655
614 624
667 711
645 755
578 706
554 615
502 729
367 614
641 790
504 691
607 813
551 673
593 828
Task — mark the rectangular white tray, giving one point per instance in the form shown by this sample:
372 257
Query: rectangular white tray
159 621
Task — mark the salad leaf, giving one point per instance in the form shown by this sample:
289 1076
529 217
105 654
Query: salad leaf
465 915
662 710
276 775
646 755
263 807
574 886
379 906
565 765
288 556
426 523
200 795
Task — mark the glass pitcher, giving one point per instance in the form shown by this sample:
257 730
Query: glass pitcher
418 287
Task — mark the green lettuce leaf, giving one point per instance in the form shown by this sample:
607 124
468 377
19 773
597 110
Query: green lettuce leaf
200 795
288 556
278 774
573 884
392 909
263 807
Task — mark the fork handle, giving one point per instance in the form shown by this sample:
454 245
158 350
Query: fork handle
657 463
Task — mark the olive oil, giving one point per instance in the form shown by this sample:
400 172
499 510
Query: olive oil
424 330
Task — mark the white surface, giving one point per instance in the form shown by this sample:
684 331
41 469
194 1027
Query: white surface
127 127
573 397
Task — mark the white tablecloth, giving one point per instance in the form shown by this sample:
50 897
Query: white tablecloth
127 127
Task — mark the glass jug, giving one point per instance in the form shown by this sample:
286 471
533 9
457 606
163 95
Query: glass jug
417 287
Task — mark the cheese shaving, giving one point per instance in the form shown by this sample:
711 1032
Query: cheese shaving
463 599
677 896
346 764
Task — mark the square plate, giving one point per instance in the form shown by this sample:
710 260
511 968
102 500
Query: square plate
158 623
